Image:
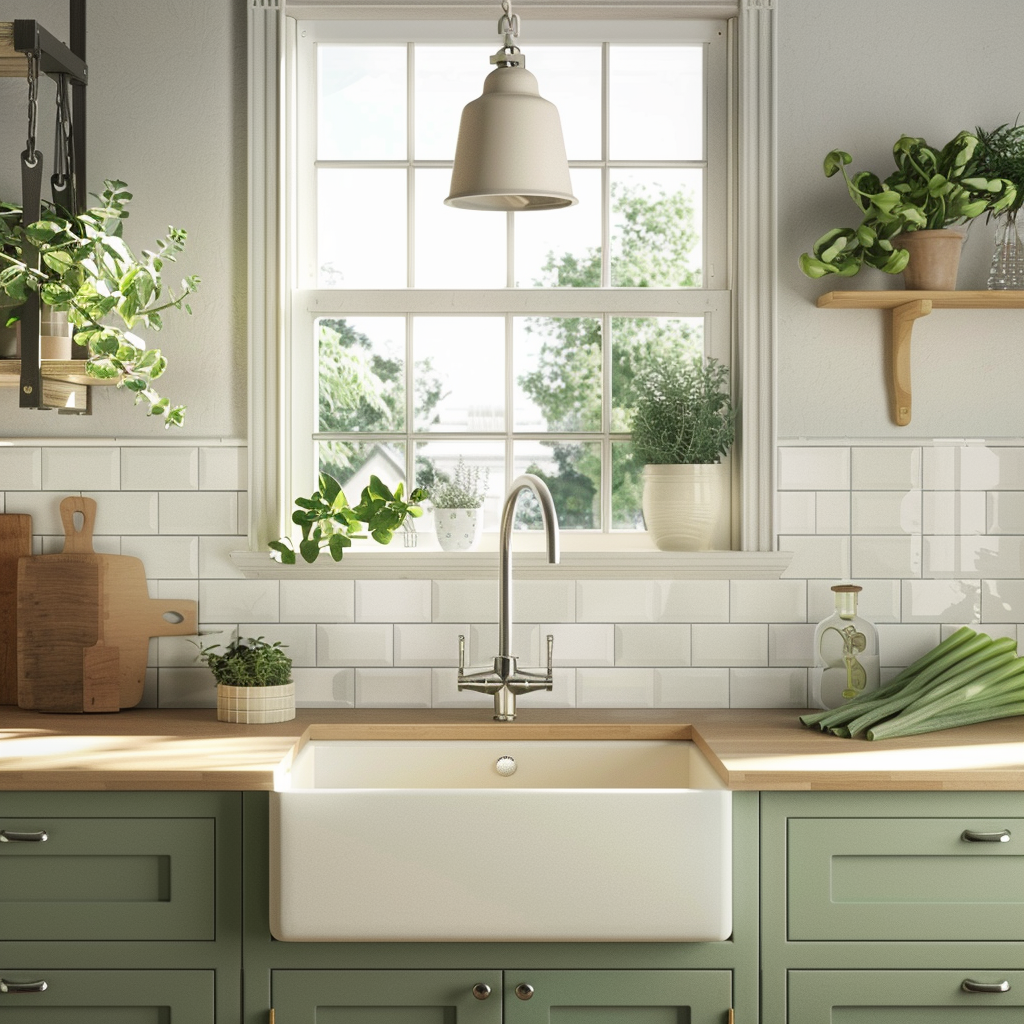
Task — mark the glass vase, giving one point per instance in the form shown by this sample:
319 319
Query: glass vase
1007 271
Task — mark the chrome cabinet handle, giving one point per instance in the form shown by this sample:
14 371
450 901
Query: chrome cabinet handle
985 837
21 986
23 837
524 991
985 986
481 991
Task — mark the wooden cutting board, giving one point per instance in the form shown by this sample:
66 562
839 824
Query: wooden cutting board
85 621
15 541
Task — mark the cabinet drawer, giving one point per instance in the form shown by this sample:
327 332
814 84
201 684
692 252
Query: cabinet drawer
902 997
107 878
904 879
103 997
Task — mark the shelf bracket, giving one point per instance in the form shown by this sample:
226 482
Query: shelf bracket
903 317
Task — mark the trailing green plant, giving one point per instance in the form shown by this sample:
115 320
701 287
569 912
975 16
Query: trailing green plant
1000 154
330 524
87 269
463 489
683 412
929 189
251 662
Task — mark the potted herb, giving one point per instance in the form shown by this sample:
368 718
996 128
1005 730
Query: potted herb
458 507
683 426
910 210
254 681
88 272
1001 155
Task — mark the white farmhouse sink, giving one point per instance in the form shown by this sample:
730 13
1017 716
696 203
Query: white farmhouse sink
425 841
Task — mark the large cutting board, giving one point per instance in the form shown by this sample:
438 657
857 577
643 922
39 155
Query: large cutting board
15 541
85 620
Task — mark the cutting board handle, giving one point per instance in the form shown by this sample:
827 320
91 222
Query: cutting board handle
78 541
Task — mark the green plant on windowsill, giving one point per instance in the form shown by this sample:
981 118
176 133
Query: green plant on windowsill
330 524
87 269
251 662
463 489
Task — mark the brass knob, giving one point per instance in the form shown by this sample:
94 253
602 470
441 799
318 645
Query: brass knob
481 991
524 991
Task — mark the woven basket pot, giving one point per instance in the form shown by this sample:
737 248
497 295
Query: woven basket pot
252 705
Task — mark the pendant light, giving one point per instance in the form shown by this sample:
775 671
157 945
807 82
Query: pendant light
510 154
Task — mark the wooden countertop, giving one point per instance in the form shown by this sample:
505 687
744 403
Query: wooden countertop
752 749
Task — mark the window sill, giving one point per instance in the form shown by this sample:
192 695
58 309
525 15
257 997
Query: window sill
386 563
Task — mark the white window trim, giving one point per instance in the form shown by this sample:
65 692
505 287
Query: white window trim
754 275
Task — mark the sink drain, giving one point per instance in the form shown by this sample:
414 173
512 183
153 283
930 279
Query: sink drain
505 765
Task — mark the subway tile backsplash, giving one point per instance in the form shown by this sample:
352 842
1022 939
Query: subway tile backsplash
934 532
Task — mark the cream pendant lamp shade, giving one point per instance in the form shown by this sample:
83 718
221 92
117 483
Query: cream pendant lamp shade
510 154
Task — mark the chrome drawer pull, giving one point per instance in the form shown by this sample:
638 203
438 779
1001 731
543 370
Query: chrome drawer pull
22 986
23 837
985 837
985 986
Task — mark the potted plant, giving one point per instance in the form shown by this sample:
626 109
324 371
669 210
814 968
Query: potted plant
254 681
458 511
1001 155
683 426
88 272
906 217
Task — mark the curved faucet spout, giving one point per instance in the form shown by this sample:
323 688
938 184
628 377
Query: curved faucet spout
528 481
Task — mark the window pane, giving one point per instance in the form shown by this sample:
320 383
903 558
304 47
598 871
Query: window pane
436 461
656 220
352 463
572 471
361 228
570 77
557 368
627 488
446 78
455 248
562 248
362 373
461 362
656 102
635 341
361 102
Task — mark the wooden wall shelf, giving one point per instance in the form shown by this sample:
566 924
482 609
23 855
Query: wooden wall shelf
65 382
904 307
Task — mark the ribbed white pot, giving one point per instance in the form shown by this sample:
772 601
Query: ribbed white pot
458 529
255 704
687 508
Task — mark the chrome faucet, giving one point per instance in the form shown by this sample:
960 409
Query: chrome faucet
506 680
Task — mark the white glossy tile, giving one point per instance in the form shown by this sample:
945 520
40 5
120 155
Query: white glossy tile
817 557
615 688
791 645
729 644
767 601
952 512
238 600
1005 512
445 692
885 557
465 600
299 639
580 644
814 469
186 651
159 469
542 601
974 557
242 520
616 600
150 690
183 590
215 557
940 468
880 512
796 512
1002 601
81 469
886 469
427 644
317 600
223 469
902 645
768 688
526 644
42 506
692 601
652 644
991 469
393 687
187 688
956 601
879 601
832 512
356 644
118 512
392 600
198 512
324 687
691 687
21 469
164 557
100 545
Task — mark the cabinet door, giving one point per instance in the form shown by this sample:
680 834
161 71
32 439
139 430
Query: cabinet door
617 997
902 997
386 997
107 997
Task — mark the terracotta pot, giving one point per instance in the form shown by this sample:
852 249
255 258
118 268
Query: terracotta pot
255 704
934 259
687 508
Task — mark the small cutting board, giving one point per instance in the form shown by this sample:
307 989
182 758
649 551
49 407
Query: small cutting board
55 629
15 541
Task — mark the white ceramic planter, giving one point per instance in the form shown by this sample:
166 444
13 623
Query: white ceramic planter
255 704
458 529
687 508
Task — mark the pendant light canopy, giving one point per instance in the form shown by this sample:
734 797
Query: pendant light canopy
510 154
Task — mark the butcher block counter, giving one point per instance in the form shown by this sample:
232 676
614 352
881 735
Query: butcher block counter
752 749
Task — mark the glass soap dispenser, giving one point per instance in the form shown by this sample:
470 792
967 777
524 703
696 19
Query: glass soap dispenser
845 653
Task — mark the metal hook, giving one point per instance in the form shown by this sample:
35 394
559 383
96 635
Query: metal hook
508 24
33 103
